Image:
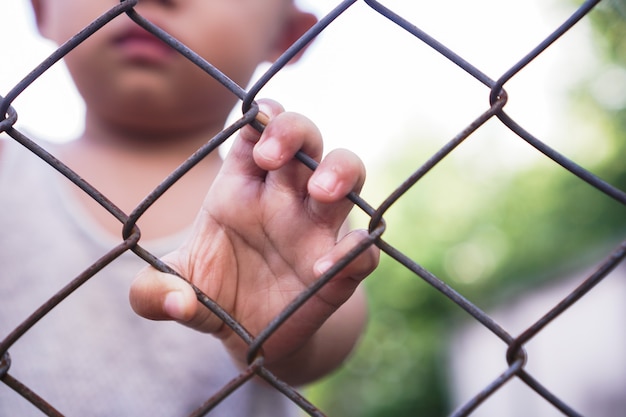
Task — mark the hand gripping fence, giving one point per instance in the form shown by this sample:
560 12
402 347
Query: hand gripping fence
516 356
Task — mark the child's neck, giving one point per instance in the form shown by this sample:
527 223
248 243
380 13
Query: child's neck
127 170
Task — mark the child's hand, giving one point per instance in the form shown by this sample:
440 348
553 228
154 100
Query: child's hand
268 228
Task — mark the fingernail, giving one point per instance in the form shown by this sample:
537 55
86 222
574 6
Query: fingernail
263 118
270 150
321 267
326 181
174 305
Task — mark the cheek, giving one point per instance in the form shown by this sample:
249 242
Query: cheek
237 57
66 18
235 43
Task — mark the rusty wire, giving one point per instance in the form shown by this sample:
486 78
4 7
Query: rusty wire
516 355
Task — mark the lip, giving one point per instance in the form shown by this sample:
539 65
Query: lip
138 45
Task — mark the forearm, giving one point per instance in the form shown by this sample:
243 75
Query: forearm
330 345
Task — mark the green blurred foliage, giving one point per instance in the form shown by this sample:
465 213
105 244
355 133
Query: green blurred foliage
487 236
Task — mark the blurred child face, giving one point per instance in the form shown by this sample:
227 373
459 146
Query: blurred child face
135 81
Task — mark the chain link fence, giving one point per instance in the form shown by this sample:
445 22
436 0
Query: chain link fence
131 242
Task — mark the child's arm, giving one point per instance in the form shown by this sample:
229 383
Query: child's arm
268 228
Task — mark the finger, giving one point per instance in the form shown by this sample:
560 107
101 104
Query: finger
285 135
340 173
359 267
345 281
159 296
268 109
239 160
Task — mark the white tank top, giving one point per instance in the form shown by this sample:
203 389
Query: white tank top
92 355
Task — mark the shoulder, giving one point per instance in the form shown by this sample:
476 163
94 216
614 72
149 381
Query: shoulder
11 148
16 160
9 151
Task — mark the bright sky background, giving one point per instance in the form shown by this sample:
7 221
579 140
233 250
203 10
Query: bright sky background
372 87
368 84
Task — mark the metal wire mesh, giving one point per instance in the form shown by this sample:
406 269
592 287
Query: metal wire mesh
516 355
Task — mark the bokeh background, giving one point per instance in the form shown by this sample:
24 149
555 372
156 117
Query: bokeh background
496 220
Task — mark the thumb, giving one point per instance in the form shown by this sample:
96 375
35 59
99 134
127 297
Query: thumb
156 295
